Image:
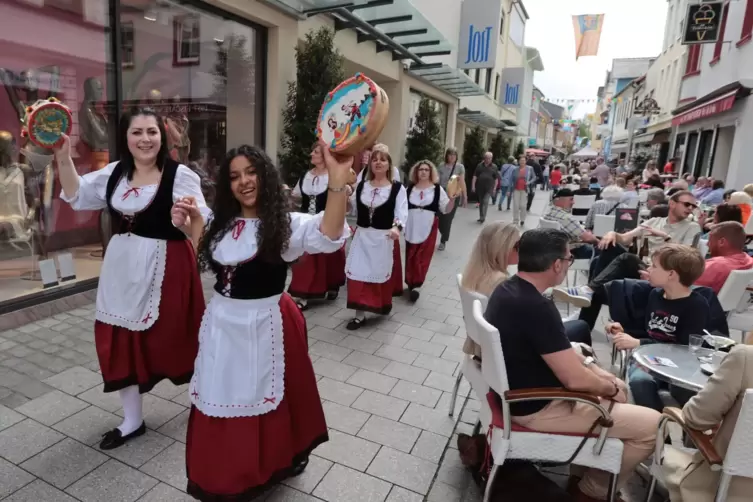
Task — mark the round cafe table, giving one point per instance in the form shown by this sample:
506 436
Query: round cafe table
687 375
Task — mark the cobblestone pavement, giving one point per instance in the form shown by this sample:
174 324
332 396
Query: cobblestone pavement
385 390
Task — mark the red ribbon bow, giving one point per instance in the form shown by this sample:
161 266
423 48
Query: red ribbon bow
134 191
238 228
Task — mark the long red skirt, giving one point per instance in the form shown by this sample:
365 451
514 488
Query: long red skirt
396 279
166 350
235 459
316 274
418 258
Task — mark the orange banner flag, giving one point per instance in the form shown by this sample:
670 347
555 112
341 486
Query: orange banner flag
587 34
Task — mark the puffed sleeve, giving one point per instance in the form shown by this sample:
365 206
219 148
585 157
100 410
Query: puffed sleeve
92 190
401 207
444 200
305 236
296 192
396 175
188 184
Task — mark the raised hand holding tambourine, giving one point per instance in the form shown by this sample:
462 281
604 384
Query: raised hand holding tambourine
47 123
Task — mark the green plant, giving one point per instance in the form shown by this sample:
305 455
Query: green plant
520 149
473 154
319 69
500 149
424 139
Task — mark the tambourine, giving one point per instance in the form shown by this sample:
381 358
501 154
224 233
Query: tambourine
353 115
46 122
453 186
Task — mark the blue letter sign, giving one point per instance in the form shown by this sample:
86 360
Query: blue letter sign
478 44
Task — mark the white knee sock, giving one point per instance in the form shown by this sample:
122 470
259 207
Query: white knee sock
360 314
131 399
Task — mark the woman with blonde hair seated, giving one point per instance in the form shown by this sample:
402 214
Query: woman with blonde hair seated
494 251
744 202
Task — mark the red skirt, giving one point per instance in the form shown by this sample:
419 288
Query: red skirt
396 279
418 258
236 459
316 274
166 350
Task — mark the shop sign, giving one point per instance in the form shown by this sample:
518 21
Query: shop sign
703 23
720 105
479 33
511 87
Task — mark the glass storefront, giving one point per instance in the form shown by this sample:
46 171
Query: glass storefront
202 70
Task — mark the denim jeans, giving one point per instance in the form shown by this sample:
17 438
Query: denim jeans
503 192
645 389
578 331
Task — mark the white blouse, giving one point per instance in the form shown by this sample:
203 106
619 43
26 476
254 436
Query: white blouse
313 184
420 222
130 281
240 369
370 255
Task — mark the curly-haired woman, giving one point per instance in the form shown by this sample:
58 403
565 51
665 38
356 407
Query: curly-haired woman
149 298
256 412
373 265
316 276
426 201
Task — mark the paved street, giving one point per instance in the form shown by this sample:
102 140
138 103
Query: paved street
385 389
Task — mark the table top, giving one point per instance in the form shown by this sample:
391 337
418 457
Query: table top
687 375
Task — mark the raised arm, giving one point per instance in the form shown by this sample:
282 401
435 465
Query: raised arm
86 192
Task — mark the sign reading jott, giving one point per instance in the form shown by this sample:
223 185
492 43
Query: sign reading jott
703 23
511 87
479 33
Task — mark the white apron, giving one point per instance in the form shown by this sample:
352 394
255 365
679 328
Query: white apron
240 369
419 224
370 256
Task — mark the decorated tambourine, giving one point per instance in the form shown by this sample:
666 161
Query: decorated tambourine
353 115
453 186
46 122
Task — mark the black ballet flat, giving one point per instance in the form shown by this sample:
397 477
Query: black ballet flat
414 295
300 467
332 295
302 306
115 438
356 323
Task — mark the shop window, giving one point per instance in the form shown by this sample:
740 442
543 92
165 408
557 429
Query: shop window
720 42
68 58
477 78
693 65
747 31
126 45
186 41
488 83
496 87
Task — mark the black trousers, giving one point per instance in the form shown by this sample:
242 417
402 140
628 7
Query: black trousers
445 222
612 264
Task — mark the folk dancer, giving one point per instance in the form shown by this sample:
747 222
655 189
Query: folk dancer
256 414
149 298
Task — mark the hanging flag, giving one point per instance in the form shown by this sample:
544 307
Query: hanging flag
587 34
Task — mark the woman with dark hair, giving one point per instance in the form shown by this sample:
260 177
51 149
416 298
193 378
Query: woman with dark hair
316 276
426 201
373 265
149 298
256 413
450 168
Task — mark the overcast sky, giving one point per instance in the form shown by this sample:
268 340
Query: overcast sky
632 28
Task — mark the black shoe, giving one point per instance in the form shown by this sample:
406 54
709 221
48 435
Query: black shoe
355 323
414 295
302 305
441 246
299 467
115 438
332 295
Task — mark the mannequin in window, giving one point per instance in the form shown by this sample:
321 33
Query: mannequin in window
17 212
92 123
176 125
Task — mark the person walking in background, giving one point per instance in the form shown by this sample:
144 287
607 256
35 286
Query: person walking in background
484 180
505 182
555 177
545 178
450 168
523 181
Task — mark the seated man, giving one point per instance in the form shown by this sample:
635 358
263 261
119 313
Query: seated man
673 313
655 197
581 240
538 355
610 201
727 250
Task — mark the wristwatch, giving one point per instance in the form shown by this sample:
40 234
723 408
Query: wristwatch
588 361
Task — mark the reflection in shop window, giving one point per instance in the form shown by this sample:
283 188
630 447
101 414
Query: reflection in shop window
186 44
126 45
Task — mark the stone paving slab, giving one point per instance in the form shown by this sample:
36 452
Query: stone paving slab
385 390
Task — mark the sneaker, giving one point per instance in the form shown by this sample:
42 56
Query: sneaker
580 296
441 246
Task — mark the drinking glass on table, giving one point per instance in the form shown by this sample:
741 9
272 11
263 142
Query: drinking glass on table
694 344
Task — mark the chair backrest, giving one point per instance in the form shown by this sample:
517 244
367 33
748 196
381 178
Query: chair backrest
544 223
603 223
733 291
736 461
703 247
633 202
493 365
466 304
583 201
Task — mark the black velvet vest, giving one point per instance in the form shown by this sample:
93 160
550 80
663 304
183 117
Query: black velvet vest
154 221
383 216
320 201
433 207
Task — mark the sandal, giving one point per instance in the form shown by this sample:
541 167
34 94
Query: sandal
355 323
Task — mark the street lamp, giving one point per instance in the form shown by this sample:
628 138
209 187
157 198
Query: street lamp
645 108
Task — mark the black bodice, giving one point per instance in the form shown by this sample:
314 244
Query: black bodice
382 217
433 207
251 280
155 220
312 204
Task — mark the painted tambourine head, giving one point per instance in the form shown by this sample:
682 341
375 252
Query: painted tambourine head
47 121
353 115
453 186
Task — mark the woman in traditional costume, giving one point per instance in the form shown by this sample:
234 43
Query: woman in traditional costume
256 413
373 266
426 201
321 275
149 298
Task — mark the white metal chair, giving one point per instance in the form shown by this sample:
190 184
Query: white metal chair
469 367
603 223
643 197
736 461
734 300
583 202
509 440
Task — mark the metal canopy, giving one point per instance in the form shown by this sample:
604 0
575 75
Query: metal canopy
482 119
446 78
394 25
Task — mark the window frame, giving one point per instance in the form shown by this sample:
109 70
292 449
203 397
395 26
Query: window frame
179 29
